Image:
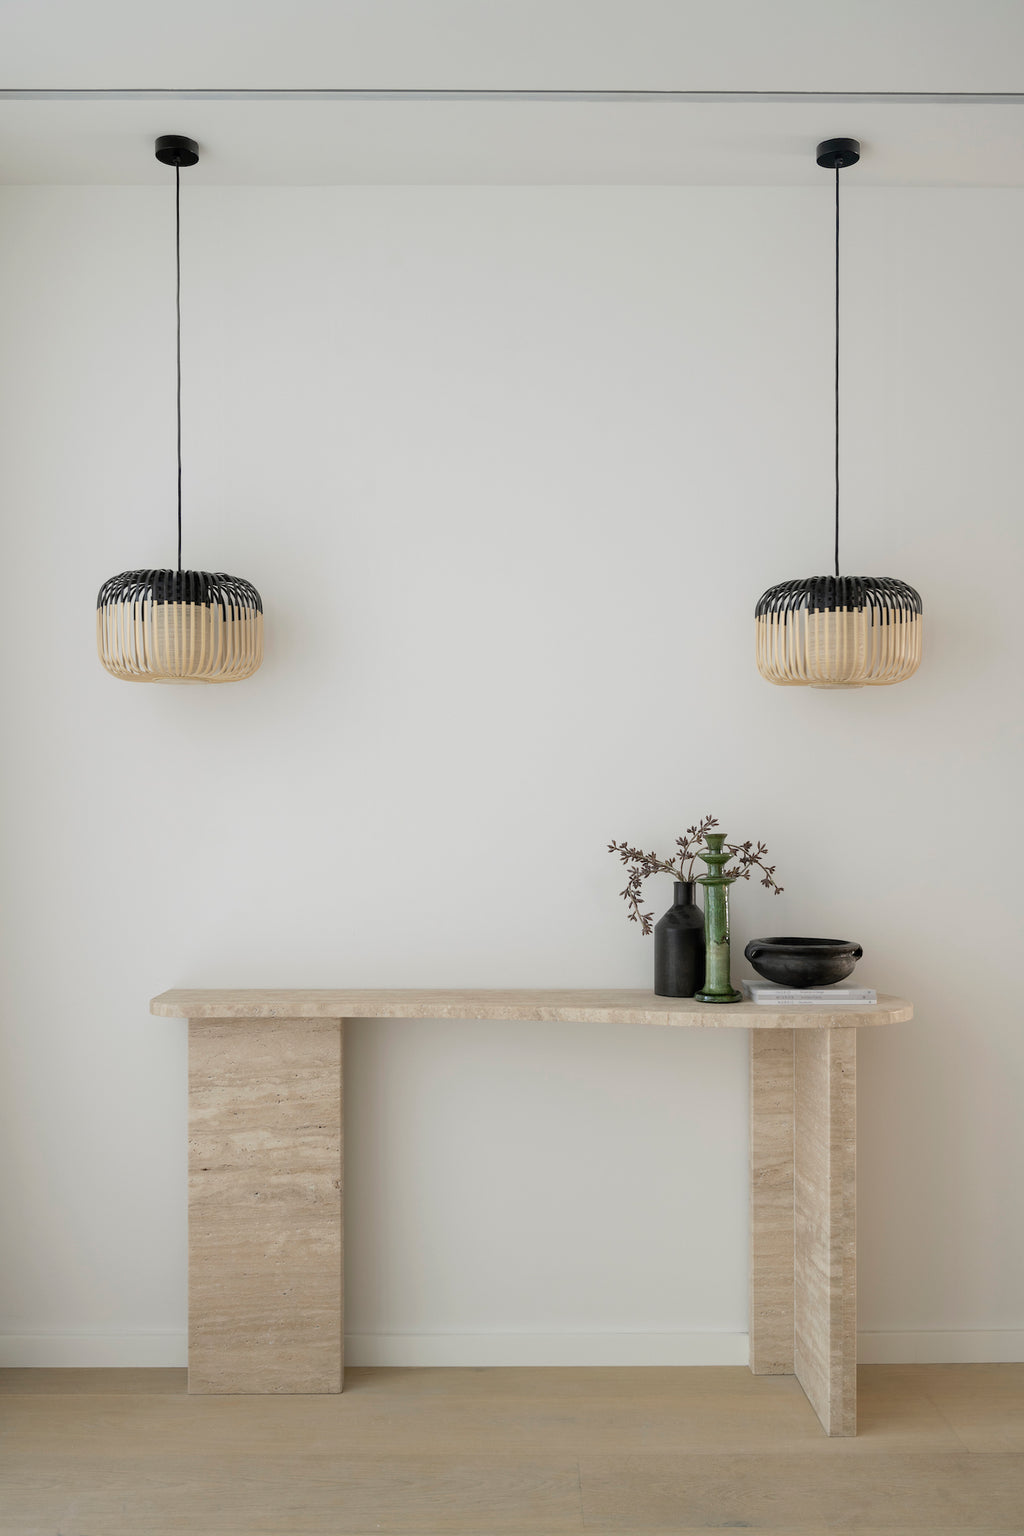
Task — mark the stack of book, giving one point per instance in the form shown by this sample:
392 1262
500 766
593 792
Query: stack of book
771 992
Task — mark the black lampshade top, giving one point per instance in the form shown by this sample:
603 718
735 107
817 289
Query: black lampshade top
840 594
201 587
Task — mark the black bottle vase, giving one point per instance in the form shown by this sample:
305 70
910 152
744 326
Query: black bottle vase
679 945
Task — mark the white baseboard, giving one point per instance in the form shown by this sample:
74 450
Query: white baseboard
48 1351
931 1347
547 1349
967 1346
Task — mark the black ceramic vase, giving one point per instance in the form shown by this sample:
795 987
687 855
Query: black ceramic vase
679 945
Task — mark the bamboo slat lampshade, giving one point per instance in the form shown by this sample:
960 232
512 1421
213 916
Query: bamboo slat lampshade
838 631
178 626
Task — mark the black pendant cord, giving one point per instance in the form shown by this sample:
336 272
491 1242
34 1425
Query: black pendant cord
837 372
177 310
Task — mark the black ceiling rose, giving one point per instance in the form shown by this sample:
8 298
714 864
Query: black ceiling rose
173 149
837 154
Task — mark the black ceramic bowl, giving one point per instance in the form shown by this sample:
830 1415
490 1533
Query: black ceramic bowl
803 962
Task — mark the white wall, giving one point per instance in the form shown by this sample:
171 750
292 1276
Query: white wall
510 467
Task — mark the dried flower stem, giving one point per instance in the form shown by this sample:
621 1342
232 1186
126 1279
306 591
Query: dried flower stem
747 856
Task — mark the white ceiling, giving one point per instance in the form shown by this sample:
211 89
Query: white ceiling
782 47
681 45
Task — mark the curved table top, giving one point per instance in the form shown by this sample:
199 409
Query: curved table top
572 1005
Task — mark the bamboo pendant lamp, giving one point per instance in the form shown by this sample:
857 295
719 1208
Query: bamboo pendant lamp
838 631
177 626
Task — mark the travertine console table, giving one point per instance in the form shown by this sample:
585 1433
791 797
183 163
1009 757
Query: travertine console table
265 1175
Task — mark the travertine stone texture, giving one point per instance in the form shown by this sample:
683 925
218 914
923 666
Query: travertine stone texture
825 1250
265 1174
771 1201
568 1005
265 1206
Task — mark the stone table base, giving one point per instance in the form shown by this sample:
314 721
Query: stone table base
265 1175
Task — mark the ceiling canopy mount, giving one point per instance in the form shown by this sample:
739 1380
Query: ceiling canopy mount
174 149
837 154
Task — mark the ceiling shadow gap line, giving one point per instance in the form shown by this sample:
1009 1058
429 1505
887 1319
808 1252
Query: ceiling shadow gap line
401 94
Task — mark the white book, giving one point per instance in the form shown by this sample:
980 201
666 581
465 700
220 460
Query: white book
772 992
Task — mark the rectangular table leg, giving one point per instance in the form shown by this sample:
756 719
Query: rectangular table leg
825 1256
771 1201
265 1205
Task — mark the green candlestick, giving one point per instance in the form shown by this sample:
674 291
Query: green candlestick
718 987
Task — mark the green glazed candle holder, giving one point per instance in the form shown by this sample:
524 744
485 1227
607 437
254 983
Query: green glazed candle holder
718 987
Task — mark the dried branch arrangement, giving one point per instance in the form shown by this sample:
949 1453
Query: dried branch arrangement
747 857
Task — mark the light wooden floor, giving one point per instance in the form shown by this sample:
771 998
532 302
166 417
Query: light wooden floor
512 1452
